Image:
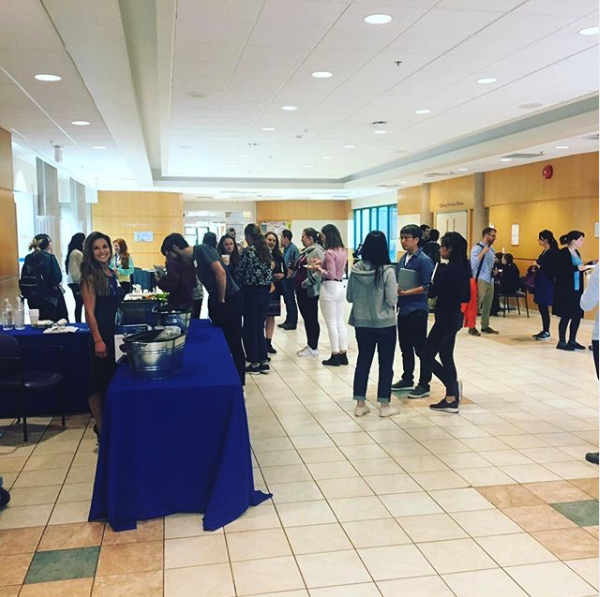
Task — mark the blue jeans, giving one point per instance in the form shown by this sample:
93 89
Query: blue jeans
384 339
256 303
289 297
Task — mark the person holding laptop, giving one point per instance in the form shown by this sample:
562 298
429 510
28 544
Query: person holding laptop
414 273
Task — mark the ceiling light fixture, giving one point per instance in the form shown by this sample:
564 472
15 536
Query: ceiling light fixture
404 182
422 111
562 147
80 123
322 74
48 78
349 146
268 128
462 169
378 19
98 146
588 31
506 159
289 108
486 80
380 131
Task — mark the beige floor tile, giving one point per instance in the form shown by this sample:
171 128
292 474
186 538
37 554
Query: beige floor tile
569 470
280 458
305 513
139 584
484 583
569 544
286 474
410 504
464 460
17 541
515 550
326 454
466 556
530 473
421 463
506 457
538 518
351 439
354 453
544 455
147 530
587 569
81 474
12 464
360 508
460 500
18 517
215 580
268 543
48 461
523 441
266 576
553 579
506 496
344 488
481 477
80 587
188 525
439 480
484 444
377 466
387 484
590 486
256 519
331 470
359 590
423 586
332 568
398 561
483 523
195 551
130 557
302 491
34 496
433 527
375 533
41 478
69 536
13 568
67 512
299 593
316 539
553 492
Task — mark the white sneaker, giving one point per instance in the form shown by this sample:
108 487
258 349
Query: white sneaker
359 411
307 351
387 410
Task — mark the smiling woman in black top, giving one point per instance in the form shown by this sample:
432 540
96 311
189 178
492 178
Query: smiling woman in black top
451 287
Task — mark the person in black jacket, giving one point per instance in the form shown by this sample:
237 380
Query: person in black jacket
41 264
451 287
510 278
568 289
543 293
432 246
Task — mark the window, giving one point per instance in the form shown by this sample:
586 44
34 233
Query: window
384 218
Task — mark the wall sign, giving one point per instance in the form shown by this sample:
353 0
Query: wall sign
547 172
514 235
143 236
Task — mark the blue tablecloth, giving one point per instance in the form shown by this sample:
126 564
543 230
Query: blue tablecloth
75 367
179 444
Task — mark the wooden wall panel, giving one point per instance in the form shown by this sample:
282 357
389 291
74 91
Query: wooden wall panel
574 177
9 257
409 200
120 213
454 194
6 163
303 210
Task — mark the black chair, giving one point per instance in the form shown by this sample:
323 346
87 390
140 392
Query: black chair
15 376
518 295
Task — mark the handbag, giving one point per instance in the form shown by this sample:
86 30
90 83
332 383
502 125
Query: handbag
530 278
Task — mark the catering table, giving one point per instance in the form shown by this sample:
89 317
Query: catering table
180 444
74 365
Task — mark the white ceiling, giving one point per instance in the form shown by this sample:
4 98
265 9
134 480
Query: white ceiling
132 78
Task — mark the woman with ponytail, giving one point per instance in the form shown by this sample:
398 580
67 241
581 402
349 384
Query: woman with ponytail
568 289
254 276
543 293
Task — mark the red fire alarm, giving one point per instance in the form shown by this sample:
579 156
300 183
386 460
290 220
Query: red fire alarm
547 172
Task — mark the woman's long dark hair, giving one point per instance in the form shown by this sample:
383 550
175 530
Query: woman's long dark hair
375 250
234 258
276 252
567 239
76 242
458 249
252 231
92 273
548 236
123 252
333 238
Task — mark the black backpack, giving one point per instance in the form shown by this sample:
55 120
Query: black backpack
32 278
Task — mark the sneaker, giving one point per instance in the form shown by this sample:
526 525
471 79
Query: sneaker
474 332
344 358
253 369
264 368
489 330
332 361
359 411
577 346
270 349
403 385
565 346
307 351
542 336
459 384
419 392
592 457
387 410
445 406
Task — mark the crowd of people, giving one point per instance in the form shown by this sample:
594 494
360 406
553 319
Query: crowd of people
390 304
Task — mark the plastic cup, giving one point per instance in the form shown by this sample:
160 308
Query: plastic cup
225 259
34 316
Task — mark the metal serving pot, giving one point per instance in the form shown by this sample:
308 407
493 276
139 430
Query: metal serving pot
179 316
150 358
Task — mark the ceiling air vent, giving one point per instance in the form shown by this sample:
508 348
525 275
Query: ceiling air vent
389 186
592 137
523 156
434 174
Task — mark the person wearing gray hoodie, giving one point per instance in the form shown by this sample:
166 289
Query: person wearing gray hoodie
373 292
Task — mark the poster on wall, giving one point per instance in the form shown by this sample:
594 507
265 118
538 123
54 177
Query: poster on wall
143 236
277 227
514 235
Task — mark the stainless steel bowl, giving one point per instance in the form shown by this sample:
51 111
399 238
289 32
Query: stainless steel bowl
179 316
154 359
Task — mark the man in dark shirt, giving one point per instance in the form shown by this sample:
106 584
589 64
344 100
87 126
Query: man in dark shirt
432 246
224 296
291 254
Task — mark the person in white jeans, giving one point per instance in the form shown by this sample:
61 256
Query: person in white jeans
333 294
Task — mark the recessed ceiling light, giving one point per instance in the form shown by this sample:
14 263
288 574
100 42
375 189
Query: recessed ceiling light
421 111
462 169
531 106
48 78
349 146
506 159
404 182
326 157
80 123
322 74
378 19
289 108
486 80
380 132
98 146
268 128
562 147
589 31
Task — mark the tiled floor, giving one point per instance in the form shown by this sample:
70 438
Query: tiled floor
494 502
